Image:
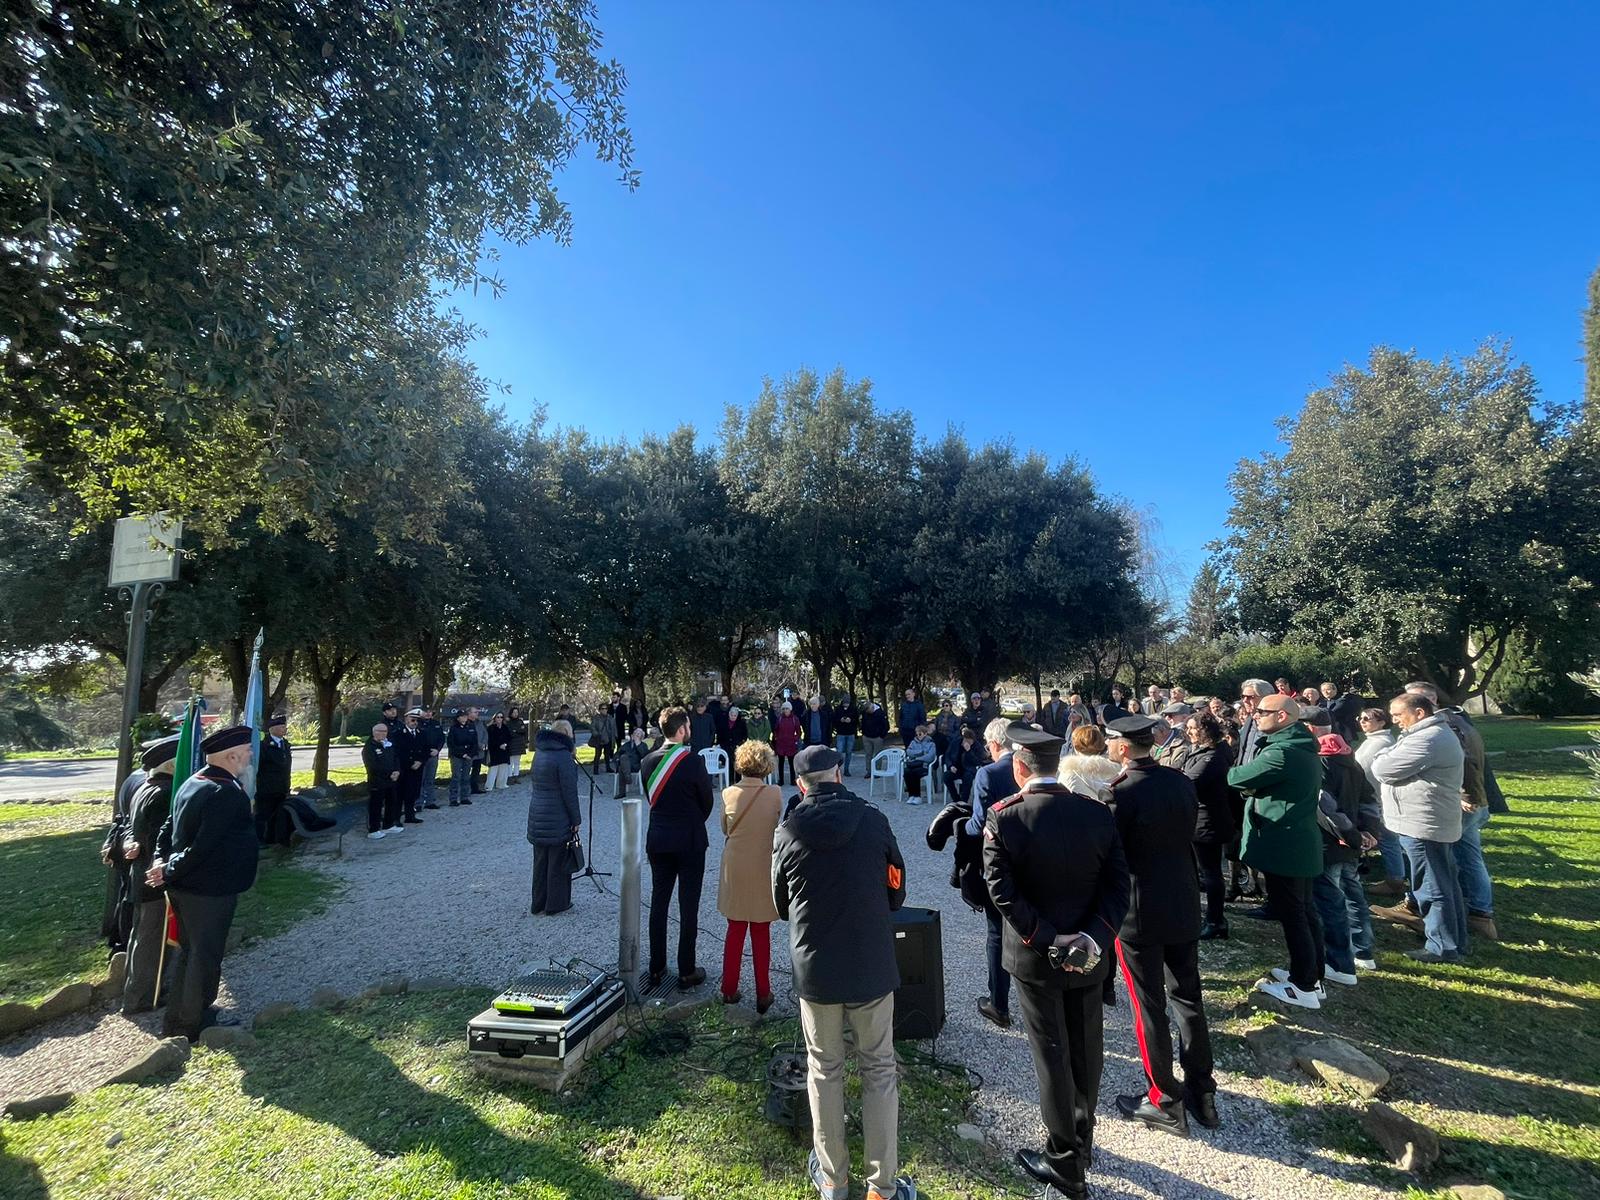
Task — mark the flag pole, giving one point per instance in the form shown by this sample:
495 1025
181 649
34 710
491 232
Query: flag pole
161 959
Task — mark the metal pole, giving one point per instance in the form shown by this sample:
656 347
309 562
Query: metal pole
628 918
138 618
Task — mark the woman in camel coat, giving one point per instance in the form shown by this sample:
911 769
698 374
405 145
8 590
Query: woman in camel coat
750 812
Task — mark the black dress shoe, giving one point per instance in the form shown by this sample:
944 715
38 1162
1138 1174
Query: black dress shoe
1203 1109
1036 1164
464 800
1171 1119
413 820
1213 933
654 978
693 979
1259 913
992 1014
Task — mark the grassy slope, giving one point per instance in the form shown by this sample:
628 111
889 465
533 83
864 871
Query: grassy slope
52 891
1503 1055
393 1110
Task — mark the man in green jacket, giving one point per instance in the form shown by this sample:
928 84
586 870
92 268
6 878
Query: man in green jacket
1282 840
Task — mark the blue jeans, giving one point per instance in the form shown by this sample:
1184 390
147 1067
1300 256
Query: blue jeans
1436 884
1476 888
460 779
846 745
999 980
1394 859
1328 895
430 772
1348 879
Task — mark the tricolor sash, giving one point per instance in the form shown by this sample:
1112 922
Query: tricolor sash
663 772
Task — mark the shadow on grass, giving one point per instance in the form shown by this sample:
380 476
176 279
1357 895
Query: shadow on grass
20 1178
51 902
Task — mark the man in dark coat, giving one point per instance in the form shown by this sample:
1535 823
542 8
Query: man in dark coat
1159 945
117 919
553 817
1056 715
846 727
702 728
621 714
272 780
147 813
411 752
1055 868
383 773
1343 710
434 741
837 875
912 714
205 856
816 723
678 791
462 744
993 783
1113 709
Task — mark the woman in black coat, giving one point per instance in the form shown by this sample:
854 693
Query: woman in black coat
1206 764
553 817
499 742
519 740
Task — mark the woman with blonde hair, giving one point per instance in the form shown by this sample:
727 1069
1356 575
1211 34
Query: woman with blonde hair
1087 770
750 811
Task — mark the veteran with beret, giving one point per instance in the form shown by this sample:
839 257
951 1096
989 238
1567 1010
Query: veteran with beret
205 856
147 813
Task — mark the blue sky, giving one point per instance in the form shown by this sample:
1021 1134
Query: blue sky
1134 233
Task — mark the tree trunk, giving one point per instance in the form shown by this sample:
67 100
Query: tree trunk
1038 694
636 692
727 683
327 700
280 686
234 657
156 678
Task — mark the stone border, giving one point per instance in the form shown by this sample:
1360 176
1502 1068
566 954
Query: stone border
16 1017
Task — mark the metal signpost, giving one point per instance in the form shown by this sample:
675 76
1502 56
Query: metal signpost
144 559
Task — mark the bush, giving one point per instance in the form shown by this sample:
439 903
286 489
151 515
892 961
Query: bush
1303 666
1534 680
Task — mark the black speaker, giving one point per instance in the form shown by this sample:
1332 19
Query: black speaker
919 953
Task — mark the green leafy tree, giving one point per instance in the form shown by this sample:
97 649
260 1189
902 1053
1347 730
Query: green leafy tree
1208 613
227 225
1411 517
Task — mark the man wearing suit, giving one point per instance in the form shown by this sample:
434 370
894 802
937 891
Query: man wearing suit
272 777
678 791
992 784
1056 716
1159 946
1055 869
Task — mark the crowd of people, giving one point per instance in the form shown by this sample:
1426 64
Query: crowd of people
1097 839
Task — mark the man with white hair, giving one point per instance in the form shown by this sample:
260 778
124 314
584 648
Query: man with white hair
206 855
992 784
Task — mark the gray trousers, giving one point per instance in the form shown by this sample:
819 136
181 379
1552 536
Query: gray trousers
872 1025
203 923
144 955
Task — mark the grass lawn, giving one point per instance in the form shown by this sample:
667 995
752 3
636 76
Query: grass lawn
52 894
1528 733
1502 1055
392 1109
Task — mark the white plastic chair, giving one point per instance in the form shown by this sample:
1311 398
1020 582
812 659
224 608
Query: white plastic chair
716 760
888 764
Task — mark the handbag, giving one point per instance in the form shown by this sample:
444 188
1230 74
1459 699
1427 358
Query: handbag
574 854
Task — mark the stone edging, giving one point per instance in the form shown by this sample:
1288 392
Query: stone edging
74 997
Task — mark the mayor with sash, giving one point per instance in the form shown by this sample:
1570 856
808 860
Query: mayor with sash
678 791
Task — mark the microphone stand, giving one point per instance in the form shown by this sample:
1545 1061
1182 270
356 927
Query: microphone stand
588 871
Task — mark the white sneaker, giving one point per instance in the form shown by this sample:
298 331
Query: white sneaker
1331 976
1289 994
395 829
375 836
1366 964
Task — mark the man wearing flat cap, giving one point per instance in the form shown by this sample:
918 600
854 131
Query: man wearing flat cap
837 875
205 856
147 813
1158 947
1056 872
1170 749
272 778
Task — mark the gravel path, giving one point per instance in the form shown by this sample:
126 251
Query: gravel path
450 898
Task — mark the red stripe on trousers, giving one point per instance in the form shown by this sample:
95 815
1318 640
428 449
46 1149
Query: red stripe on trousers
1138 1023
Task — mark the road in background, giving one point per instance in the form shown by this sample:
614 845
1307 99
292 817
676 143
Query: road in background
34 778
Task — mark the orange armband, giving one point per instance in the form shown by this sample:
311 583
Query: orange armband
896 877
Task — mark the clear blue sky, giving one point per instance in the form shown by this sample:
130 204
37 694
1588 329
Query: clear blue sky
1134 233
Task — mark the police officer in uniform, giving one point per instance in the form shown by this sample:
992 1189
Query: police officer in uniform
1055 870
272 778
1159 947
205 856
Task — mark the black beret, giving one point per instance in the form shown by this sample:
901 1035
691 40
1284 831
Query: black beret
159 751
816 758
227 739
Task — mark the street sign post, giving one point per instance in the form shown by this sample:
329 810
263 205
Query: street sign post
145 558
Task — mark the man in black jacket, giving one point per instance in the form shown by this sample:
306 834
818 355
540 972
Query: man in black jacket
205 856
462 744
1159 946
1056 716
410 751
383 773
846 726
1055 869
434 740
837 875
678 791
147 813
272 779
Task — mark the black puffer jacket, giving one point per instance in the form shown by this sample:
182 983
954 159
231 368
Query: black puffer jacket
837 874
553 805
1207 767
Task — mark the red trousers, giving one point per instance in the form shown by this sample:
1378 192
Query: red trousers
760 956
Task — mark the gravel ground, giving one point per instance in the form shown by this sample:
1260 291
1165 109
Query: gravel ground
73 1054
450 898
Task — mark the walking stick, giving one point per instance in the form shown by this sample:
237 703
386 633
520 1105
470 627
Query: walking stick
161 959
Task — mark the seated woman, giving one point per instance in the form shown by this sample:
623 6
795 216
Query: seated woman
920 755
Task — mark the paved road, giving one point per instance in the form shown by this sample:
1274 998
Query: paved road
31 779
